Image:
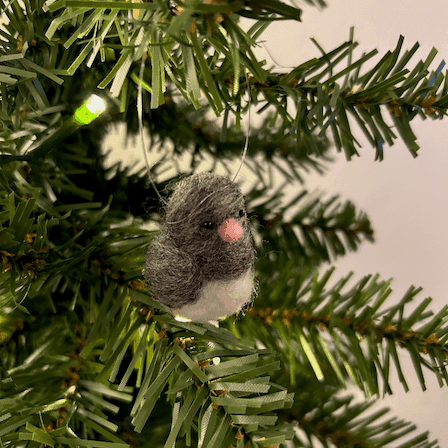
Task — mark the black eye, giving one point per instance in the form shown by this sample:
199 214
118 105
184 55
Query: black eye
207 225
242 213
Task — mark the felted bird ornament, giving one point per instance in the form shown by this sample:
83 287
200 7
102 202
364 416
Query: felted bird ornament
201 264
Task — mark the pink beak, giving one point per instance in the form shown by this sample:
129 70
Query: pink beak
230 230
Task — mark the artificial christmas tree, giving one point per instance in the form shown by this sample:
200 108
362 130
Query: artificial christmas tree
87 356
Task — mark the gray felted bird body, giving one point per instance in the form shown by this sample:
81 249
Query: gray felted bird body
201 264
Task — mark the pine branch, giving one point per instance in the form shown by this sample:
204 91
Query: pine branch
345 335
33 85
318 229
45 390
424 345
352 427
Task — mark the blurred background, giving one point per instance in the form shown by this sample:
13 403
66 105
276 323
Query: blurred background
405 198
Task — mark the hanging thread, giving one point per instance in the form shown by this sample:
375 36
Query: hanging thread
140 121
246 143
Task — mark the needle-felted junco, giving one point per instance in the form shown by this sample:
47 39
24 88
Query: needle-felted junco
201 264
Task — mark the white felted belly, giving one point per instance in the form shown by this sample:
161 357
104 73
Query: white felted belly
219 299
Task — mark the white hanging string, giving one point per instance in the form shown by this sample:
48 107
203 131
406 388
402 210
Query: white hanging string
246 144
140 124
140 121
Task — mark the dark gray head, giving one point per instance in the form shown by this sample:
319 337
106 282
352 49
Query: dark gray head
199 211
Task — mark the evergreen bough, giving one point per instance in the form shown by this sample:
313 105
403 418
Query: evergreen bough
87 357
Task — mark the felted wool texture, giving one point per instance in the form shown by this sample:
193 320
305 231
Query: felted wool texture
186 254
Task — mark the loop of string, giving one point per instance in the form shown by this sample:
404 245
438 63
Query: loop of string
140 125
